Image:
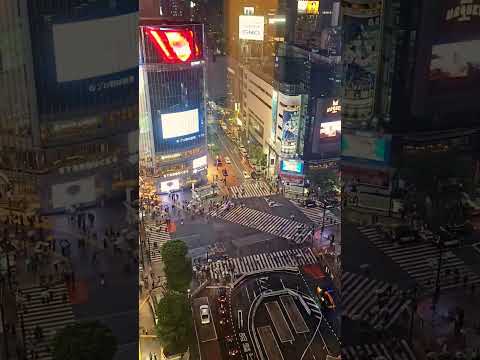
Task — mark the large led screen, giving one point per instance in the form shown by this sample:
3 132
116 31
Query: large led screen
170 185
292 166
180 124
106 46
455 60
291 123
200 162
368 148
73 193
330 129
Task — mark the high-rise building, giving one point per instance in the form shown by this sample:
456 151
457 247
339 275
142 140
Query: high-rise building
66 120
410 75
172 102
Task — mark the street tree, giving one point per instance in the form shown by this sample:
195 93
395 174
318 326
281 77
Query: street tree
437 183
178 266
324 179
89 340
174 325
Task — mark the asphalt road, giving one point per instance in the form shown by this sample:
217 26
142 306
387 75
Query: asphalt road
272 316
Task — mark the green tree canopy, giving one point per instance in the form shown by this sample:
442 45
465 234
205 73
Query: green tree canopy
178 267
90 340
174 325
325 179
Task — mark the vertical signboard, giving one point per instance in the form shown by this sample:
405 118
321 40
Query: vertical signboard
290 132
361 53
274 115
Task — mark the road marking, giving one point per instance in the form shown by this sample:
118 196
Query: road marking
268 338
240 319
279 322
248 295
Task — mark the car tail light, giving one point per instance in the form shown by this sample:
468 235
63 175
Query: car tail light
175 45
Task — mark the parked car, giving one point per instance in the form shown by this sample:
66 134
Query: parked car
205 314
246 175
227 160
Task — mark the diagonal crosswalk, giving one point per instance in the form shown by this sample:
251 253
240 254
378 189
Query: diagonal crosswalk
265 222
50 317
156 236
235 267
401 351
316 215
314 308
359 301
420 261
250 189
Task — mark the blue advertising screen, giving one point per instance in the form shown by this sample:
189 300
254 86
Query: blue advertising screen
84 62
292 166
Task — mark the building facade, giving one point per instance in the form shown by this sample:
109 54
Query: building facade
67 126
173 104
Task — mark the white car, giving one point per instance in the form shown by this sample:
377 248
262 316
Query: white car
227 160
246 175
204 314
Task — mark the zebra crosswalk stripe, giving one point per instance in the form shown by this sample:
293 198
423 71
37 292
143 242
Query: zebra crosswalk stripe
268 223
314 308
60 315
316 215
418 261
250 189
156 237
358 300
355 352
252 263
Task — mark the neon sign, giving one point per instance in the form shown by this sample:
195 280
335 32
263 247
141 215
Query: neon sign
334 108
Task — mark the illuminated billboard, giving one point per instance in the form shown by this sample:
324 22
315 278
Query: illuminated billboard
112 40
361 39
330 129
175 44
180 124
251 27
290 130
368 148
170 185
447 73
200 162
308 7
107 76
292 166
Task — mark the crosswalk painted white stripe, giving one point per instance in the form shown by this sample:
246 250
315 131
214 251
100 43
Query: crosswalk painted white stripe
359 301
250 189
50 317
420 261
402 351
156 236
268 223
235 267
314 308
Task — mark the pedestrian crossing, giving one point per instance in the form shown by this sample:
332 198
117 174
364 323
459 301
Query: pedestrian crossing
359 301
235 267
49 316
316 215
400 351
314 308
420 261
250 189
156 236
268 223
